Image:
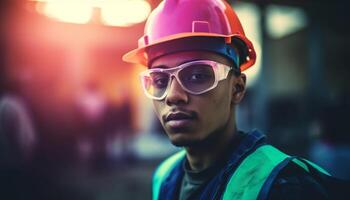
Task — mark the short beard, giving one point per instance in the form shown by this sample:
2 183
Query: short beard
207 142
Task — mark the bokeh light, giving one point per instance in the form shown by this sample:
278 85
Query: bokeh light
249 15
124 13
113 12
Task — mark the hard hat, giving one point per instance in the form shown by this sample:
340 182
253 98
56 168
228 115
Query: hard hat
184 19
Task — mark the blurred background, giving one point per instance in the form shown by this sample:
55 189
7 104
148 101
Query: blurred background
74 123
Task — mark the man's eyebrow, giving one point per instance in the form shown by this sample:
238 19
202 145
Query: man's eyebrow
165 66
159 66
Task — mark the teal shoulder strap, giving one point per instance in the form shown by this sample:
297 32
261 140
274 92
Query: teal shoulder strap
164 170
249 178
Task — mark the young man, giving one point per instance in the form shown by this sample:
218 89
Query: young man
195 51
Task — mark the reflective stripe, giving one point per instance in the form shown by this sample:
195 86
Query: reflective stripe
301 164
164 170
317 167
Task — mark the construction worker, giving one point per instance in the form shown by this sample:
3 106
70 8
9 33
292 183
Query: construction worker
195 52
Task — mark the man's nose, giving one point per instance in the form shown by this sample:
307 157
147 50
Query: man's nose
176 94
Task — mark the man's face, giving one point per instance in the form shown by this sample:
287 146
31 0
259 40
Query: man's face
192 119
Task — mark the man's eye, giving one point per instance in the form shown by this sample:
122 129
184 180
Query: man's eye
160 82
198 77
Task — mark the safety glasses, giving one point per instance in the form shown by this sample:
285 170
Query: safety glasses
196 77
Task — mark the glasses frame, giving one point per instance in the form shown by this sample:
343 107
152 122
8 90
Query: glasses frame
220 72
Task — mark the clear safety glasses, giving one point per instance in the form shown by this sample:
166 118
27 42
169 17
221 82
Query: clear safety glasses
196 77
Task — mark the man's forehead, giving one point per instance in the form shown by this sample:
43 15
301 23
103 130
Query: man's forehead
178 58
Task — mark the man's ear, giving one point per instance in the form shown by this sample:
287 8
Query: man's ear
239 88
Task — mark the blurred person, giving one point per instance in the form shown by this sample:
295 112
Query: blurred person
195 52
120 122
105 126
17 133
92 107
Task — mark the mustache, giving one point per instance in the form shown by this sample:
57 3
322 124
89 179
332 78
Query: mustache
179 113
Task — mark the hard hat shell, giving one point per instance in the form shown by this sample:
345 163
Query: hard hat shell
177 19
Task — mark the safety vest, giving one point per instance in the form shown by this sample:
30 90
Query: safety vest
251 180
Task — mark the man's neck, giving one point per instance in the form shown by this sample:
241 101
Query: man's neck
203 156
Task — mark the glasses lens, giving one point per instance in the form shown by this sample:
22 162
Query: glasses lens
156 83
197 77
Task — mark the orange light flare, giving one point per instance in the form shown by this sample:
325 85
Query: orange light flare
121 13
55 59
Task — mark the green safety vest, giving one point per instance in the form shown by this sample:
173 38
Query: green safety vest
248 179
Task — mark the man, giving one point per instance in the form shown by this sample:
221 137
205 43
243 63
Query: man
195 51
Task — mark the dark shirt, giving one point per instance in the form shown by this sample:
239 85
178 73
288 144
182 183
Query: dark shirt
194 180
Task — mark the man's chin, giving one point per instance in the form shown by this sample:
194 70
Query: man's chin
184 142
183 137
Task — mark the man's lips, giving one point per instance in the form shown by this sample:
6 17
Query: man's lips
174 116
179 119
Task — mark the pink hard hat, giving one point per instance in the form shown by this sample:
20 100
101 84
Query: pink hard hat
179 19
